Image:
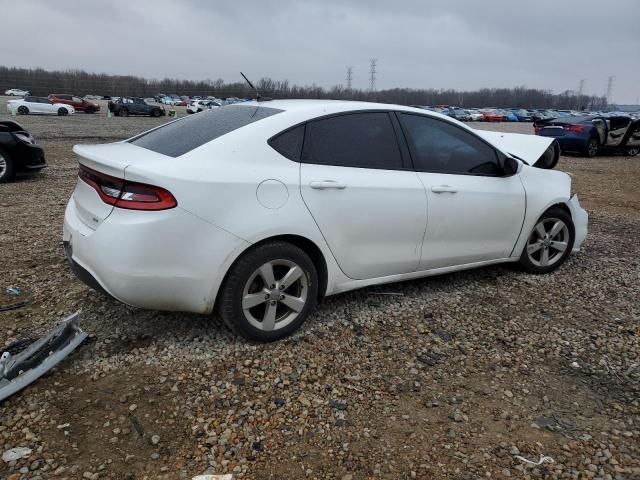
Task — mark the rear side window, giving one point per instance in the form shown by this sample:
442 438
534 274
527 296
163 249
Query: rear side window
182 136
364 140
438 146
289 143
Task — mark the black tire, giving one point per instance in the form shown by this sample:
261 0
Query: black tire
123 112
89 110
156 112
532 262
633 151
239 279
62 112
592 147
22 110
6 171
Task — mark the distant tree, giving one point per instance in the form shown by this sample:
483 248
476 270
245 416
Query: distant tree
42 82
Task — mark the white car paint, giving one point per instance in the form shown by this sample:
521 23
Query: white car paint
237 190
39 105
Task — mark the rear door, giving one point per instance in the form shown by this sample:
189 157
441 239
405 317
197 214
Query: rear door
474 213
369 205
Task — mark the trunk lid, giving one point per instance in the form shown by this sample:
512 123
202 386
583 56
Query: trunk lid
110 159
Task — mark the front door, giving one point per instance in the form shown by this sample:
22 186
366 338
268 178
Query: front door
369 205
475 214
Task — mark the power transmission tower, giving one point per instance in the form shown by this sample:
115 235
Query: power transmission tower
581 88
609 88
372 74
349 77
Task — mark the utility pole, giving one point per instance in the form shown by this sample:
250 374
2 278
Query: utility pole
372 75
609 88
581 88
349 77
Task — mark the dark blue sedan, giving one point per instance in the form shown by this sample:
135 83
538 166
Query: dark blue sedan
591 134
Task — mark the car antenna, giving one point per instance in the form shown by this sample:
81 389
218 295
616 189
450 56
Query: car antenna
259 97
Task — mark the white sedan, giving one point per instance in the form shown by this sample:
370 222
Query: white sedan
197 106
28 105
262 208
16 92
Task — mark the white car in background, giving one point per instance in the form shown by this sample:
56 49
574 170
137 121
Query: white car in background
260 209
201 105
16 92
28 105
475 115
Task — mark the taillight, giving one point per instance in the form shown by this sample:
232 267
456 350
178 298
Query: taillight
573 128
125 194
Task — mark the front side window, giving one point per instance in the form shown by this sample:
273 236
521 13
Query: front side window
363 140
437 146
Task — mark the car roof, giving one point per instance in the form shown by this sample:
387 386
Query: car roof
317 108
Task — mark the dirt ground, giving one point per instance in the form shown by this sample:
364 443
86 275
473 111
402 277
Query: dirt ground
453 378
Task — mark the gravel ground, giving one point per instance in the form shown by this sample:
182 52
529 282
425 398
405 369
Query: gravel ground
452 379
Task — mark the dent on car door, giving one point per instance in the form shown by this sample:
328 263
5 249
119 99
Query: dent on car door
474 213
369 205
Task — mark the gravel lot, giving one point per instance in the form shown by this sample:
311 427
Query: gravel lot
453 378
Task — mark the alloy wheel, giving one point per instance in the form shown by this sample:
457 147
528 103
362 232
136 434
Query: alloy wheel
275 294
3 166
548 242
592 148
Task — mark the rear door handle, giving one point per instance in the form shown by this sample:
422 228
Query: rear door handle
444 189
324 184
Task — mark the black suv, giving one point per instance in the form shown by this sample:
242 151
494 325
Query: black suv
125 106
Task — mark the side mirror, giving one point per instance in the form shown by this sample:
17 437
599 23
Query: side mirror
510 166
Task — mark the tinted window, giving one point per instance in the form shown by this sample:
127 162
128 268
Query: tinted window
289 143
437 146
364 140
182 136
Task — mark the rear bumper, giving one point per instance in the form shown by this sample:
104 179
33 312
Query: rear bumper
164 260
580 219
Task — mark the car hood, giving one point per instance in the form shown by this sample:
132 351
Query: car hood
530 148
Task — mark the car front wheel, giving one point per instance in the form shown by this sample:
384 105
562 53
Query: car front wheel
269 292
550 242
6 167
22 110
633 151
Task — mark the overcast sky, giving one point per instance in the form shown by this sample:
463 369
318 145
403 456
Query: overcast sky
461 44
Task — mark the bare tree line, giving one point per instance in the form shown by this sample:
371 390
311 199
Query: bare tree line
43 82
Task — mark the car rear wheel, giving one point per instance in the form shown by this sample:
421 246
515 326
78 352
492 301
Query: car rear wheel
22 110
591 150
89 110
62 112
269 292
550 242
123 112
6 167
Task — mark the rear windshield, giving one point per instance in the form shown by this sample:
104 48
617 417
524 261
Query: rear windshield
182 136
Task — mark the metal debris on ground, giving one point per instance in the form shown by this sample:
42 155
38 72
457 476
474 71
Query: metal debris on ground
223 476
543 459
12 298
21 369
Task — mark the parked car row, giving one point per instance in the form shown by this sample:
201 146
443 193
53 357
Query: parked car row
492 114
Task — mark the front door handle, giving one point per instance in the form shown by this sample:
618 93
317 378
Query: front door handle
324 184
444 189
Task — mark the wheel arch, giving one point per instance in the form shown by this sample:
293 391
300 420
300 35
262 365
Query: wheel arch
306 245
